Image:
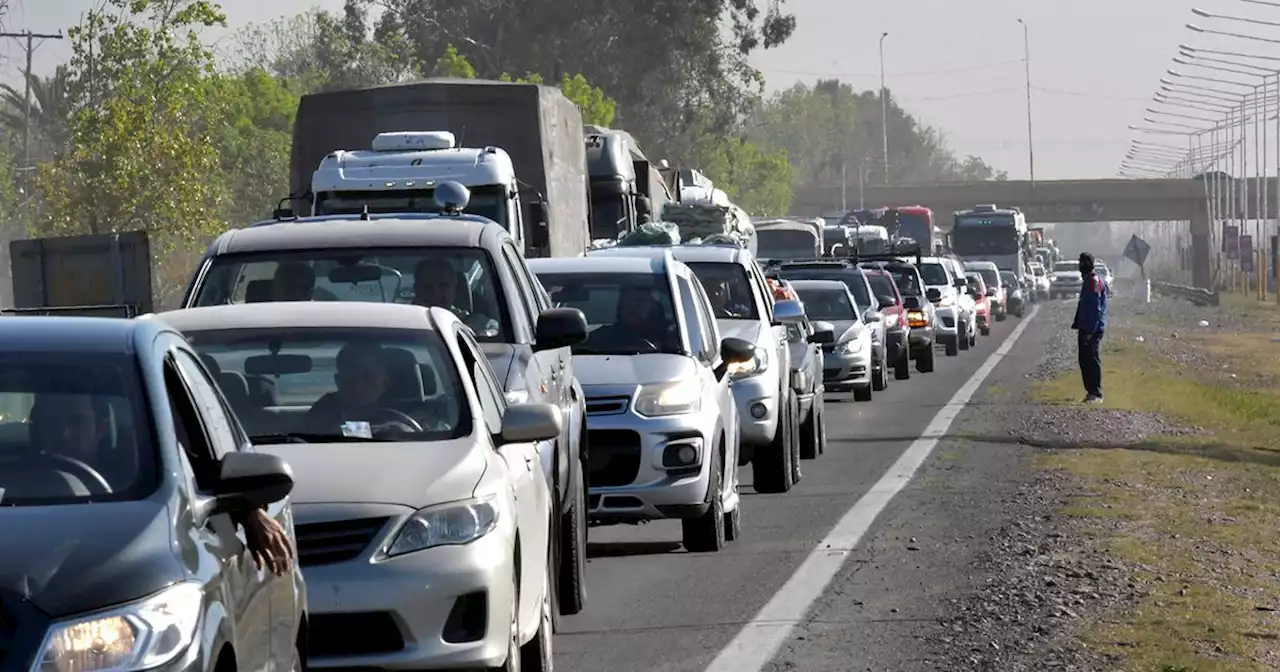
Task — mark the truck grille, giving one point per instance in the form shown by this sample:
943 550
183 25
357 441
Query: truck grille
607 405
614 457
336 541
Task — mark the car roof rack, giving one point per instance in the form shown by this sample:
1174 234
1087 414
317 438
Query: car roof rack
124 310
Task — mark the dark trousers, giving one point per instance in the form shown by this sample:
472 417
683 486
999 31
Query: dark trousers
1091 362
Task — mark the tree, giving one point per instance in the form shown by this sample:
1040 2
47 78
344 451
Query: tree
757 180
829 130
51 108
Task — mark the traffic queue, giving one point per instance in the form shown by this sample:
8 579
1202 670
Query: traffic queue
418 470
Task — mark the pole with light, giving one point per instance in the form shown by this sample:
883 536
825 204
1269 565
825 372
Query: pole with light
884 110
1026 60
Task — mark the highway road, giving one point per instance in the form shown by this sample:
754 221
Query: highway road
655 608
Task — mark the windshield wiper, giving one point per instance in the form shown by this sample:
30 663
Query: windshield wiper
305 437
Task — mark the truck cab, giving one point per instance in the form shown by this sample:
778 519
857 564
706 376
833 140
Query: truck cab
400 171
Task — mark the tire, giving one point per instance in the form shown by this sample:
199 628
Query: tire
536 656
809 433
822 427
880 375
796 472
926 360
973 338
1002 316
862 393
571 584
706 533
902 367
953 346
985 330
964 338
733 524
772 464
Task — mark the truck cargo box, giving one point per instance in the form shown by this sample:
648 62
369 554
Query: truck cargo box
537 126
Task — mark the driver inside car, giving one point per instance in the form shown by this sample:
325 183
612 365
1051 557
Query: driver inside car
640 316
722 302
436 284
74 426
363 381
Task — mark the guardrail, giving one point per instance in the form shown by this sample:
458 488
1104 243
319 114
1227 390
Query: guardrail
1197 295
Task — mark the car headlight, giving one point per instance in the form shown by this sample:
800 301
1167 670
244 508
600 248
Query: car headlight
660 399
757 364
143 635
452 524
851 346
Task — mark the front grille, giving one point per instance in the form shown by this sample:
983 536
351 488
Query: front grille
615 457
353 634
336 541
607 405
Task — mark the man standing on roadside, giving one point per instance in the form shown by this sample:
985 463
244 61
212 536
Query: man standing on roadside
1090 323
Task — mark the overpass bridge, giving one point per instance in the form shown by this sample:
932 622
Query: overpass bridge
1059 201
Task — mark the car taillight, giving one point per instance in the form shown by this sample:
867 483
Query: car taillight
915 318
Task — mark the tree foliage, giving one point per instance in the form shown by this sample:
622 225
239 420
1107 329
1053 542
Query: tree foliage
829 128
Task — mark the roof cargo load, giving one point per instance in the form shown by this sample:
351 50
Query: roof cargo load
536 125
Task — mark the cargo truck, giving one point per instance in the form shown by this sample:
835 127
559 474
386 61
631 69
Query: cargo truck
517 147
627 189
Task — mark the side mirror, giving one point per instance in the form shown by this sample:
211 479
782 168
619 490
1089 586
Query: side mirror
933 294
961 283
872 316
248 481
525 423
887 302
824 333
788 312
538 219
559 328
911 303
733 351
991 291
282 213
972 290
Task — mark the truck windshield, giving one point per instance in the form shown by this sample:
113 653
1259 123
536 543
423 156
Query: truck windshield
787 244
337 385
728 288
74 428
991 239
627 313
607 217
459 278
489 202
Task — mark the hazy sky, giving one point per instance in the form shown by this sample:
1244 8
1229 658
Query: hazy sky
956 66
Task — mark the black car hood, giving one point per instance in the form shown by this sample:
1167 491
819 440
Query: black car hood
80 557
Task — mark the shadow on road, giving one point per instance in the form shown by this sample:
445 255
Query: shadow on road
632 548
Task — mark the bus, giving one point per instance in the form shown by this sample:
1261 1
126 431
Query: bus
989 233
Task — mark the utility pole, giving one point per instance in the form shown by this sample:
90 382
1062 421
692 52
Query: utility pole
1026 59
884 110
31 46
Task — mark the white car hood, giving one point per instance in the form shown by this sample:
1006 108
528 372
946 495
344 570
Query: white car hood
747 330
414 474
593 370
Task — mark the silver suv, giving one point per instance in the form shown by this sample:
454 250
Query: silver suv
742 305
661 420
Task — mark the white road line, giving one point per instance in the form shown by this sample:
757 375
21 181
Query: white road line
761 638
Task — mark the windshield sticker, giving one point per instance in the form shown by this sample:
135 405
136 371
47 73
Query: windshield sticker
358 429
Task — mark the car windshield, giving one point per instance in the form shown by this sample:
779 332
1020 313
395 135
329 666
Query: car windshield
827 304
1009 278
990 277
852 278
907 280
934 274
627 313
728 288
322 384
787 243
459 278
882 285
1066 267
74 428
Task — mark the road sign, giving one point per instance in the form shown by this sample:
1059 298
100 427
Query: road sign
1137 250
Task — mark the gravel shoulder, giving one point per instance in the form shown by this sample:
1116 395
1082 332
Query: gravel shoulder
1045 535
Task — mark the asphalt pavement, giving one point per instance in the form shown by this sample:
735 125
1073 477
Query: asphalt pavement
652 607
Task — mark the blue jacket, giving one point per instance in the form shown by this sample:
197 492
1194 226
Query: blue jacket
1091 311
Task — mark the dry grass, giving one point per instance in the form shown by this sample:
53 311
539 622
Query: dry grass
1197 517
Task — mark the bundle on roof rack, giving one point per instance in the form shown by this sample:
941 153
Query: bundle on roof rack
652 233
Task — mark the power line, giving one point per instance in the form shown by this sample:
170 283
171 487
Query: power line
1088 94
918 73
967 94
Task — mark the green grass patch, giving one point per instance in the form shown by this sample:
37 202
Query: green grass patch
1200 515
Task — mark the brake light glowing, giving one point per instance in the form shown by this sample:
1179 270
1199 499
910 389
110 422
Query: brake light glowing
915 318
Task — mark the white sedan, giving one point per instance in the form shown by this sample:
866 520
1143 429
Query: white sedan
422 517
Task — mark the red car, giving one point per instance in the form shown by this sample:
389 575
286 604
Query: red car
896 329
978 290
